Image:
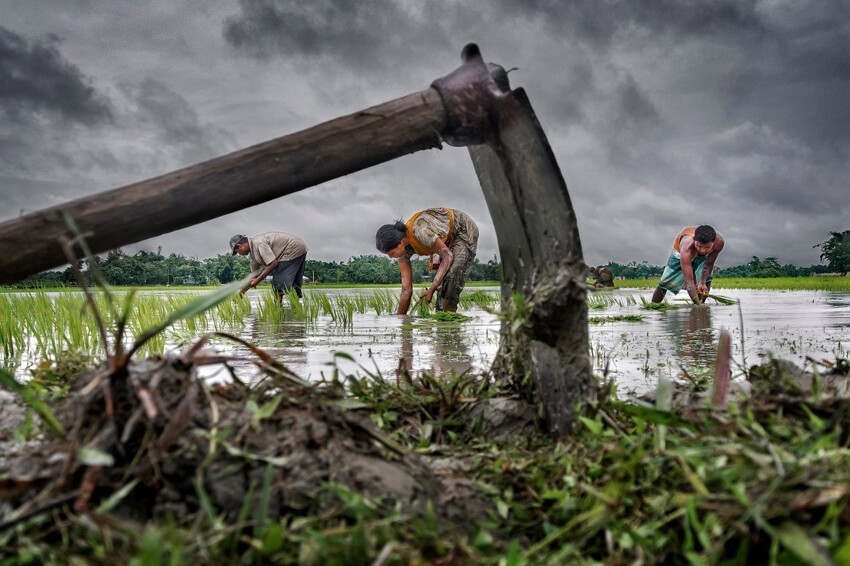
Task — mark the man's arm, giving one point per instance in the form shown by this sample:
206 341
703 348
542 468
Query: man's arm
406 285
259 278
446 258
719 242
688 253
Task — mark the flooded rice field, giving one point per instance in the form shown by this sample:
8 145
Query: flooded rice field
634 345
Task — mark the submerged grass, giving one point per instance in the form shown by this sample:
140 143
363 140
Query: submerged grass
43 324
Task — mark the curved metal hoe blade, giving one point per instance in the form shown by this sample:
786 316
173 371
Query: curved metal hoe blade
538 241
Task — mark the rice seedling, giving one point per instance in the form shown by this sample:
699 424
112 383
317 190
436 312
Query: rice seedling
721 299
383 301
421 308
230 314
598 301
324 303
269 308
480 299
344 311
12 336
296 306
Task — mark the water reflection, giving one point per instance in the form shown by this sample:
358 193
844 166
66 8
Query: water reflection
451 351
446 347
693 335
793 325
284 340
405 360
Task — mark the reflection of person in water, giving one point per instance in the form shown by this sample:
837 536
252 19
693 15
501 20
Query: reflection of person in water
405 359
693 335
284 341
451 353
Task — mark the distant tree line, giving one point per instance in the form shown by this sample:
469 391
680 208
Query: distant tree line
154 268
770 267
756 267
374 269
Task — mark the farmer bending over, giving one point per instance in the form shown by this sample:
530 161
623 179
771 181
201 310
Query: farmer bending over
278 254
691 262
448 236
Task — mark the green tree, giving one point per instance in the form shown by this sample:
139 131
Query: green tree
768 267
225 268
836 251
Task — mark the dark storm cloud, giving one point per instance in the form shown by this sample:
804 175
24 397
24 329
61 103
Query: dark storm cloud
174 121
36 79
61 138
600 21
350 31
44 98
636 110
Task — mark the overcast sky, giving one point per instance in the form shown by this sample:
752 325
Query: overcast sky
661 113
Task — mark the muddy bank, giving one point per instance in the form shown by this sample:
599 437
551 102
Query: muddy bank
279 444
425 470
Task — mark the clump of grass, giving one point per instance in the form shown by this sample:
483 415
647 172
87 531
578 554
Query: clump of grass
662 306
599 299
446 316
55 375
616 318
383 301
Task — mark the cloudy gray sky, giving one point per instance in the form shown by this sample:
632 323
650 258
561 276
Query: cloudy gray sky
661 113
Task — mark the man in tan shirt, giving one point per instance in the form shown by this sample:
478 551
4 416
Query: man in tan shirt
278 254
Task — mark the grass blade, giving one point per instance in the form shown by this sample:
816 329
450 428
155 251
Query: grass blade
8 381
196 307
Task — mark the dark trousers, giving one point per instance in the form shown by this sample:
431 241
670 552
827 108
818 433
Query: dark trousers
289 275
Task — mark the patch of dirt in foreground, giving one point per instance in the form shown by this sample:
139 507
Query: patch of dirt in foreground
277 444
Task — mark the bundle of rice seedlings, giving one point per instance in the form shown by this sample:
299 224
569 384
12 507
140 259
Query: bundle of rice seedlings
722 300
446 316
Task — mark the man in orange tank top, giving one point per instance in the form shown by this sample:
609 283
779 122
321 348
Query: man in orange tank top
690 264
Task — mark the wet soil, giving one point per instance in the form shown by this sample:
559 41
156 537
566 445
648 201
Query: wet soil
278 444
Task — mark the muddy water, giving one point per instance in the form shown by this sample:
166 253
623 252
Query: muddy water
794 325
378 345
